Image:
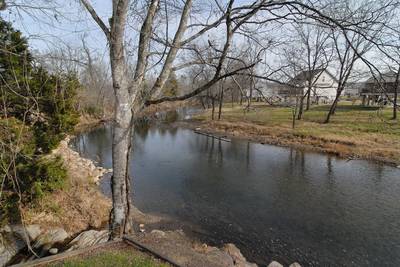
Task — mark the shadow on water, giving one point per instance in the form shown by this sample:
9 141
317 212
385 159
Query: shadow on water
274 203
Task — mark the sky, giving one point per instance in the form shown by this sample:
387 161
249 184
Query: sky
72 22
67 27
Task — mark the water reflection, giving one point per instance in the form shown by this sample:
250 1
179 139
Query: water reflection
274 203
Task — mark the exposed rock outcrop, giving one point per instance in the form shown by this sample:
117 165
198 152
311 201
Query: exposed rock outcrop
178 247
89 238
15 238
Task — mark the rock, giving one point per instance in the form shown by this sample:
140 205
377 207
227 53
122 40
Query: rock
158 233
234 252
57 235
238 259
13 239
89 238
53 251
295 264
33 231
275 264
10 245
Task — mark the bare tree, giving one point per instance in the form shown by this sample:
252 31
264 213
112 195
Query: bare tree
131 95
348 51
315 55
154 51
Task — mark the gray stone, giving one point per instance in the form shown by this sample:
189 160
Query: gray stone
295 264
32 231
158 233
234 252
53 251
238 259
89 238
275 264
13 239
10 245
57 235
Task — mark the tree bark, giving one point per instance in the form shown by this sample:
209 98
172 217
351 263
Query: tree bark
301 107
122 125
333 106
221 99
396 87
213 107
308 98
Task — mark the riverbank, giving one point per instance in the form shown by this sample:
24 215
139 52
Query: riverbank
69 213
79 205
355 131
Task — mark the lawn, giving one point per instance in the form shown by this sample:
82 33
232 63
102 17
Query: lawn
361 128
124 258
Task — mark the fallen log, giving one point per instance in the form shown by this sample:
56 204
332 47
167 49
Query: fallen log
212 136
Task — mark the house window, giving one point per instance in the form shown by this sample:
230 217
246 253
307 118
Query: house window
323 78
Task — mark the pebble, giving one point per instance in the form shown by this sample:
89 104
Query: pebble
53 251
275 264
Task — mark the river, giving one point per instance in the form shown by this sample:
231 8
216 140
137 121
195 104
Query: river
272 202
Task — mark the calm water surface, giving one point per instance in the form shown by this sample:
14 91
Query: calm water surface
272 202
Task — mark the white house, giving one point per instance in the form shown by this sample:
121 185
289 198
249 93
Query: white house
323 85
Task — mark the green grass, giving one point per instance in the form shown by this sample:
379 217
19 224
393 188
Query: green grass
348 119
114 259
367 132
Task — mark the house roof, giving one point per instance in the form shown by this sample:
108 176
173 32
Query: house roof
388 77
307 74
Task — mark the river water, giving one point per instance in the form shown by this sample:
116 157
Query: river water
272 202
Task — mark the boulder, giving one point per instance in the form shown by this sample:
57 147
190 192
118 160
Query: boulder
10 245
238 259
51 237
89 238
13 239
295 264
275 264
234 252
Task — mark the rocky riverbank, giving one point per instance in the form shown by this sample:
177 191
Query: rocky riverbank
173 246
63 214
60 222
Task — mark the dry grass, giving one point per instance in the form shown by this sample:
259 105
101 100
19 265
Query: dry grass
354 131
78 206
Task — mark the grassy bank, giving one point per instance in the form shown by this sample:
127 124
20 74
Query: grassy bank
117 255
355 131
113 258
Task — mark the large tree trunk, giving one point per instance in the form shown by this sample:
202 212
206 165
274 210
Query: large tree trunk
122 133
122 137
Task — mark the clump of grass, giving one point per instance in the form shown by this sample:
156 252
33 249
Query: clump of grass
114 259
